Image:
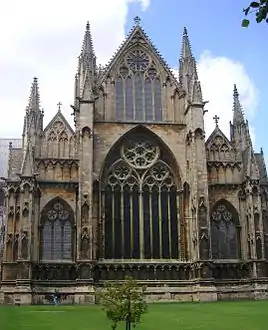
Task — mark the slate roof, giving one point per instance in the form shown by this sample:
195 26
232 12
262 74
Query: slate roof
4 153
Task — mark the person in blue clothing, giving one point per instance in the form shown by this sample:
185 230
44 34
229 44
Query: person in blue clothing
55 298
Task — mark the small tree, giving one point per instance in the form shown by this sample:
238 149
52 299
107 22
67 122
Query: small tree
124 302
259 8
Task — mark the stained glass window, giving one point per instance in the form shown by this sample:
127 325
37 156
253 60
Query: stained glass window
224 233
56 232
138 89
140 204
119 92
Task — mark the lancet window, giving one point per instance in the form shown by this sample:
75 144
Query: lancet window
138 89
140 194
225 232
57 232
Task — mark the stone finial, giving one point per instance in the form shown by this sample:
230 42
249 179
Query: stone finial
59 106
137 20
216 119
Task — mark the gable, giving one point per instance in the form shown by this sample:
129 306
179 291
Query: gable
138 52
58 125
58 138
219 148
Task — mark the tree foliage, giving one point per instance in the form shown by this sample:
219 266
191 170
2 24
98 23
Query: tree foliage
259 8
124 302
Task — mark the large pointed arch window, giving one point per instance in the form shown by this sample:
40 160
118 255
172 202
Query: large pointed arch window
57 231
138 89
141 203
225 231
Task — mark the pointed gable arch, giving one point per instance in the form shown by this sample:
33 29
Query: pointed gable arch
58 138
225 231
142 132
138 37
137 74
219 148
140 184
57 231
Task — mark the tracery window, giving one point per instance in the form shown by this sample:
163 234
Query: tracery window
138 89
141 220
225 232
56 234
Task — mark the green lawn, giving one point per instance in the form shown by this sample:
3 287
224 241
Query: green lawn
252 315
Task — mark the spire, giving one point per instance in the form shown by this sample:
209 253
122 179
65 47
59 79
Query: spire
33 121
186 50
34 99
188 71
238 115
87 58
86 64
87 47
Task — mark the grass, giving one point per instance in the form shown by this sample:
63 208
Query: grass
251 315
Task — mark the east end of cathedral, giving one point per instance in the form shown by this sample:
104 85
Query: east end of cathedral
135 189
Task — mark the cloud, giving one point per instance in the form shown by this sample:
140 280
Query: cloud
218 75
44 41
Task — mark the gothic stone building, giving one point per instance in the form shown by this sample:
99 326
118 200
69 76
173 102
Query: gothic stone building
135 189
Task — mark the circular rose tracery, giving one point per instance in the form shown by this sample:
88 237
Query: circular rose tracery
140 154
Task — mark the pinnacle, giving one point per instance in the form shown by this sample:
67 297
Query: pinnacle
238 115
186 50
34 99
87 48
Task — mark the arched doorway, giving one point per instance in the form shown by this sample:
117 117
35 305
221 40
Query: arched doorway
57 231
140 184
225 231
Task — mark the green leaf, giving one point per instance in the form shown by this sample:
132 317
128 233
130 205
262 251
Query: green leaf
254 4
245 23
246 11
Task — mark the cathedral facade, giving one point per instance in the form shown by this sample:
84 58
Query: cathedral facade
134 189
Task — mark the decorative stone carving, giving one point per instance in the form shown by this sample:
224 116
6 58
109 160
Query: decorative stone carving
24 245
85 247
204 245
87 132
202 213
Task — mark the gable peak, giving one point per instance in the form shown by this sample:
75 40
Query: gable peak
135 38
217 135
58 122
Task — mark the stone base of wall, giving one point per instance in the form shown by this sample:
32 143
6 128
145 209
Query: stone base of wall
1 297
156 292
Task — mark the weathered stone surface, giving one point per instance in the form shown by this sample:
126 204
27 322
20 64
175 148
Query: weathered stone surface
212 193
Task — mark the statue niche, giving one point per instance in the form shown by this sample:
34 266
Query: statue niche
24 245
225 231
85 244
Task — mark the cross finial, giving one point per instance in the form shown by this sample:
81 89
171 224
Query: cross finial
137 20
216 119
59 106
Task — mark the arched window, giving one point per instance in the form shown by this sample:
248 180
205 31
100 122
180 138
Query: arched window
225 231
141 204
138 89
57 231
